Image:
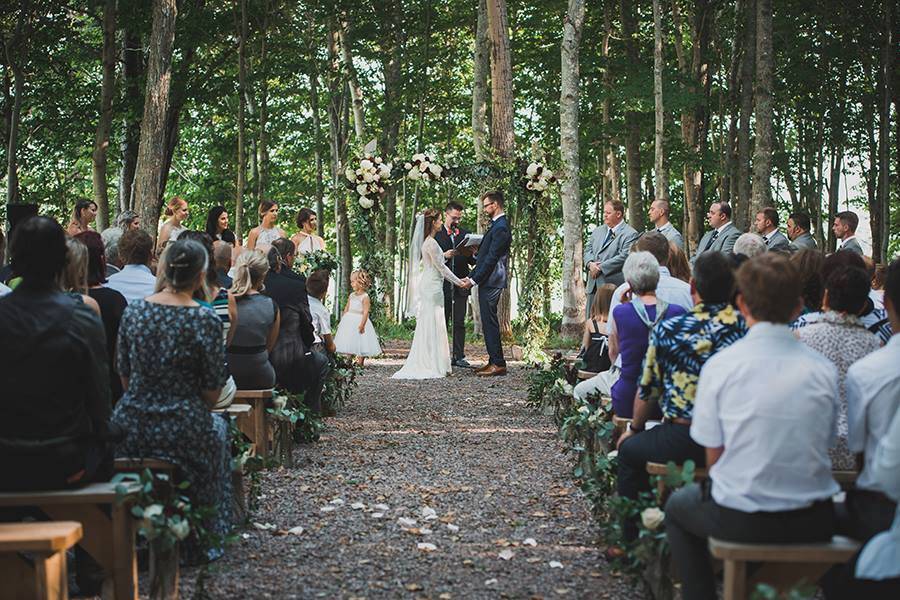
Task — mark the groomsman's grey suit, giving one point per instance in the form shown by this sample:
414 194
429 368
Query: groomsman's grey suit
851 245
719 241
609 251
672 234
804 241
777 242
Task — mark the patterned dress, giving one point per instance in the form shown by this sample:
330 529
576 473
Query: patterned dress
169 355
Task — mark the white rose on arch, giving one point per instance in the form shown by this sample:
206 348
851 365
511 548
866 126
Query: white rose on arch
366 202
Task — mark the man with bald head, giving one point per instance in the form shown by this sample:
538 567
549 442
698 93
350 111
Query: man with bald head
659 216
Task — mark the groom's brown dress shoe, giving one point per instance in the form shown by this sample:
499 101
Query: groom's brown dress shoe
483 367
493 371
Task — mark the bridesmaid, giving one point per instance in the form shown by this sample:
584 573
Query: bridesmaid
177 211
83 214
267 231
217 225
306 239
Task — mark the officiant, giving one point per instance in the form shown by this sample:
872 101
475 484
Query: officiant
456 299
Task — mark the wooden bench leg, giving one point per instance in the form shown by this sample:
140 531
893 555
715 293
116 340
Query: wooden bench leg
52 576
735 580
124 558
39 577
97 538
260 428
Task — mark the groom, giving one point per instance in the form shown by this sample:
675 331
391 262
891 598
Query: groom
490 275
456 299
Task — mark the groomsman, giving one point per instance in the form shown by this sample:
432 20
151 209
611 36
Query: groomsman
845 224
456 298
767 226
659 216
723 235
798 229
608 248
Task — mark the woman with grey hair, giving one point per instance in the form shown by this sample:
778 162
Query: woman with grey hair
632 322
171 360
749 245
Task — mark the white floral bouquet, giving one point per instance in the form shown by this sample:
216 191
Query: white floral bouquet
370 177
538 178
423 167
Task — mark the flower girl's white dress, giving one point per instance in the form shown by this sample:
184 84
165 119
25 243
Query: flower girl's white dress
348 339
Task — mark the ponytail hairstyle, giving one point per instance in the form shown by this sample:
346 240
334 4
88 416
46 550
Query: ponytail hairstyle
180 265
430 216
363 277
278 253
251 268
265 206
174 204
74 276
79 208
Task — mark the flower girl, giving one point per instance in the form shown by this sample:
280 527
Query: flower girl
355 333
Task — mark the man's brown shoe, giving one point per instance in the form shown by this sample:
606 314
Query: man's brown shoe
483 367
493 371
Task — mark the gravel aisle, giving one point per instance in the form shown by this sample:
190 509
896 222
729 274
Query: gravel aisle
441 489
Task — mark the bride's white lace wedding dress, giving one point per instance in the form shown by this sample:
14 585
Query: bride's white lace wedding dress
429 356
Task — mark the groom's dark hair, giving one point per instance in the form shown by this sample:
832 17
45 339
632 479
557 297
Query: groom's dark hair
495 196
453 206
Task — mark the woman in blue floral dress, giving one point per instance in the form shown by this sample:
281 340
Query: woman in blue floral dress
171 360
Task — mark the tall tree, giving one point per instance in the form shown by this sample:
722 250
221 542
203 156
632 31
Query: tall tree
356 94
15 50
104 121
662 174
262 147
573 286
612 182
241 121
132 70
748 65
338 107
628 17
148 170
881 222
480 71
761 195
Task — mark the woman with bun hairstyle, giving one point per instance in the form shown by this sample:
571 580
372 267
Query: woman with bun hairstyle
83 215
177 211
257 325
306 239
267 231
171 359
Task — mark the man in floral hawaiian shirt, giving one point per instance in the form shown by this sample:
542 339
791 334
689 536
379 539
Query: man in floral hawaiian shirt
678 349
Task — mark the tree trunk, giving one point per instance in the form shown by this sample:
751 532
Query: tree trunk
481 71
132 69
104 121
16 44
148 170
241 124
761 194
317 147
662 175
359 118
742 202
613 170
262 146
632 123
729 147
881 223
337 107
573 248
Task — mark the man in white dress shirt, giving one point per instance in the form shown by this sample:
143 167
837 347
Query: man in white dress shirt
766 411
135 281
659 216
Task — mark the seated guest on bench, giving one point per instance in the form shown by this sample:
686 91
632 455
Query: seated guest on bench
74 276
766 411
171 359
595 345
633 321
317 286
257 325
678 349
135 281
812 285
55 431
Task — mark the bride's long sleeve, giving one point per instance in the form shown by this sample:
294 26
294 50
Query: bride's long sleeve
431 252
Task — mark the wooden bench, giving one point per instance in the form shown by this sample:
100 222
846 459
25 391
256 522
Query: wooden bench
585 375
137 465
620 424
260 432
783 565
245 416
109 528
43 575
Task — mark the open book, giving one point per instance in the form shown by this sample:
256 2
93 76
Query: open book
469 240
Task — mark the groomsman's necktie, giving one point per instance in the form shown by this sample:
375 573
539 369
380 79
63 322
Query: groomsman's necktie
610 235
712 239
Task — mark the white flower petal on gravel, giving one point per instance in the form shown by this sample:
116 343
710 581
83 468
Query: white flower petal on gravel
555 564
490 582
426 547
429 513
337 501
328 508
506 554
452 528
381 507
296 530
425 531
265 526
246 536
377 515
406 522
357 506
529 542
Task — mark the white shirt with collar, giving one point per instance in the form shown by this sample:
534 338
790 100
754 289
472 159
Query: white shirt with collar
773 403
847 239
321 318
4 290
135 282
722 228
769 235
495 217
873 398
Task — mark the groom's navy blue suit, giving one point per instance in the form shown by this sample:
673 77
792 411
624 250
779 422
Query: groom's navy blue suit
490 275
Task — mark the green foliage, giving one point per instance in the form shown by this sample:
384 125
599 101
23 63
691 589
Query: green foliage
549 384
307 425
802 591
340 383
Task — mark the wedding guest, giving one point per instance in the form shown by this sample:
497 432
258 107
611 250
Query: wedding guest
677 350
723 234
297 367
595 339
83 215
671 289
839 336
355 333
678 264
257 325
766 445
217 225
456 298
317 286
844 228
749 245
812 287
74 276
177 211
659 216
607 249
767 221
873 401
135 281
112 304
876 281
631 325
128 219
798 230
267 231
306 240
167 417
222 257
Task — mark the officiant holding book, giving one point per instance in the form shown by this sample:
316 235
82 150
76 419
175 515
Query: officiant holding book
451 239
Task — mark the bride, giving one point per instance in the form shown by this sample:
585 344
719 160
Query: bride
429 356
